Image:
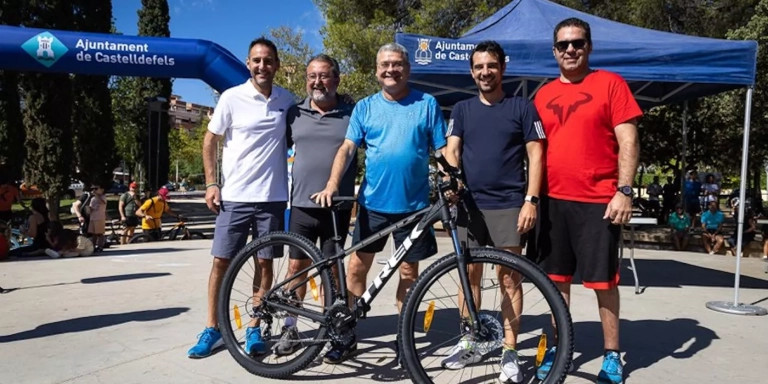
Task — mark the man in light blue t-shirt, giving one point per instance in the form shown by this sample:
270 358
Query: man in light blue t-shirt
399 127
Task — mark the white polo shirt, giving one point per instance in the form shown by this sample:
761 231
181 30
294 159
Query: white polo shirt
254 156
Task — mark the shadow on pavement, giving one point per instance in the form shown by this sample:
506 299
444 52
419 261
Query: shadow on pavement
645 342
132 276
671 273
140 251
88 323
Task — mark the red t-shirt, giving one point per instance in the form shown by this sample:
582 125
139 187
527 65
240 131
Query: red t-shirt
579 121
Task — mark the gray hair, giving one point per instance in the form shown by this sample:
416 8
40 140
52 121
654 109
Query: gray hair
395 47
323 58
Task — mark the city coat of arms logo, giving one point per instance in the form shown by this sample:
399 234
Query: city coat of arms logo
423 55
45 48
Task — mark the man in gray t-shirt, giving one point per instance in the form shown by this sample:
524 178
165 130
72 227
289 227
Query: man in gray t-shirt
317 126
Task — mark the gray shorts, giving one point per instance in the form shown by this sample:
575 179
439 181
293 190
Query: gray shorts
489 227
236 220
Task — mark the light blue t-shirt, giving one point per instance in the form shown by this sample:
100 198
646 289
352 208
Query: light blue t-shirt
399 137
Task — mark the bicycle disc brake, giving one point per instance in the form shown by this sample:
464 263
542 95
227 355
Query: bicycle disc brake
491 335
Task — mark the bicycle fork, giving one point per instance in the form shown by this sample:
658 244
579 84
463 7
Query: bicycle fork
461 259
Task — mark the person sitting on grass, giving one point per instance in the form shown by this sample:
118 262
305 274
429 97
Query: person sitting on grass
712 224
680 222
37 228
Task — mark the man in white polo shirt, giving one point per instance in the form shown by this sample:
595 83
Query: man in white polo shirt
250 120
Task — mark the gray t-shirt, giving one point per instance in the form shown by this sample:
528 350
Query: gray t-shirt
317 138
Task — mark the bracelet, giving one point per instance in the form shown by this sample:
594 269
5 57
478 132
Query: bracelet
211 185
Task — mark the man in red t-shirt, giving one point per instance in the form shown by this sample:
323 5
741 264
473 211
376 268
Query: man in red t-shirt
590 119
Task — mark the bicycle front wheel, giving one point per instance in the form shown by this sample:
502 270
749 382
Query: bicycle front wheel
517 303
248 297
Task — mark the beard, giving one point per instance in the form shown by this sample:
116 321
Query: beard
321 95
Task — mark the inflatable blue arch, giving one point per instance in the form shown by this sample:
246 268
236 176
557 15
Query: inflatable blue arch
49 50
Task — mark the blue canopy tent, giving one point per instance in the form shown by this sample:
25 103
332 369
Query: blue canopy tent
660 67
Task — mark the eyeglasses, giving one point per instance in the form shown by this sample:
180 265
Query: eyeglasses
562 45
312 77
396 65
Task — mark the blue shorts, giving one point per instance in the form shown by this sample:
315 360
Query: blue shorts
370 222
236 220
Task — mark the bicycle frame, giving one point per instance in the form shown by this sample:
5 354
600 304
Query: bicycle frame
427 217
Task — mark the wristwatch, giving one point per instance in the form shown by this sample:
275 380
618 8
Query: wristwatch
532 199
626 190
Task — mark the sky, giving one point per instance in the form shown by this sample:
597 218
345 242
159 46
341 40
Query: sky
233 24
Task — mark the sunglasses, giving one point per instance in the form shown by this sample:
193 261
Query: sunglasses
562 45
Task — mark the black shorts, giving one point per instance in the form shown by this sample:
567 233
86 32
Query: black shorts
574 236
131 221
317 223
154 234
370 222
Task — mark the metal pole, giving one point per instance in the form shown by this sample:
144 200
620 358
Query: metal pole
157 159
735 307
685 150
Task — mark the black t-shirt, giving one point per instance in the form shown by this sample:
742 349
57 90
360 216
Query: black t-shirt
493 148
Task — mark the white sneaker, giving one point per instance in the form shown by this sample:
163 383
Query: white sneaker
711 252
510 367
53 254
462 354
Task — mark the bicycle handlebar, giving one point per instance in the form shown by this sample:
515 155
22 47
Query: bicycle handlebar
452 171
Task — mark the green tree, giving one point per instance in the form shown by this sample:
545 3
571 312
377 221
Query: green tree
755 29
47 116
128 111
294 54
185 148
94 137
154 20
12 134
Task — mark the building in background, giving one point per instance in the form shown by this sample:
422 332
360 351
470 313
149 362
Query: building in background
185 114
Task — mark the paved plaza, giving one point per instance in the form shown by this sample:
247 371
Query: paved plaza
130 314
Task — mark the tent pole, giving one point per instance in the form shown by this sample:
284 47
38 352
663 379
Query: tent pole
681 187
735 307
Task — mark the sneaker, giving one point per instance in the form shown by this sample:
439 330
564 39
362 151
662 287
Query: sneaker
338 353
254 345
612 371
462 354
510 367
207 341
288 343
52 254
546 363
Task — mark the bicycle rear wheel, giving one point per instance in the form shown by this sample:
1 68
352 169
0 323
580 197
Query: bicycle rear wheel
431 322
238 306
193 235
140 238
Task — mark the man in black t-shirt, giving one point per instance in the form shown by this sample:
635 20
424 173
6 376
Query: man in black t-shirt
490 136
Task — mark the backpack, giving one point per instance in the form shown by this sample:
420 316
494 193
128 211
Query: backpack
85 202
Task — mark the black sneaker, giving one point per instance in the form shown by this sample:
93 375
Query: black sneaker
338 354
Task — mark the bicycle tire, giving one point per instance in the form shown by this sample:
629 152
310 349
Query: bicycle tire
140 238
258 366
531 273
193 235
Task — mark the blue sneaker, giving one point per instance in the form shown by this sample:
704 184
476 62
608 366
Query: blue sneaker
612 371
254 345
207 341
546 364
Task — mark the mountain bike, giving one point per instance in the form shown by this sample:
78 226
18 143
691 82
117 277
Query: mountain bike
179 231
431 320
